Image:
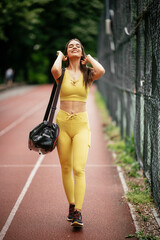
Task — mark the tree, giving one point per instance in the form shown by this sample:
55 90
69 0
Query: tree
31 32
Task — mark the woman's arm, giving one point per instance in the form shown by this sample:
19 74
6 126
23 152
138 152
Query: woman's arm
56 69
98 69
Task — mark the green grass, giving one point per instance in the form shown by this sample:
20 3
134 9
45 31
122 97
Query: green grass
125 155
141 236
139 194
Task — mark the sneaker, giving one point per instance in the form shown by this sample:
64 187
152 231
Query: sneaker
77 219
71 212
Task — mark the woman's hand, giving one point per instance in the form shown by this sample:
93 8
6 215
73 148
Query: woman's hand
56 69
97 69
63 57
85 60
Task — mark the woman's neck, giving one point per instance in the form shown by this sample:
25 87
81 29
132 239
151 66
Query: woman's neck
74 65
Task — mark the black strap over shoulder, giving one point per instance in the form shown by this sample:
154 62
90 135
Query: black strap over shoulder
52 103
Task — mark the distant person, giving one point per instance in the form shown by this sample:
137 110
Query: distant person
9 76
72 118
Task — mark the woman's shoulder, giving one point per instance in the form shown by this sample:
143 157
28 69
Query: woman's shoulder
62 73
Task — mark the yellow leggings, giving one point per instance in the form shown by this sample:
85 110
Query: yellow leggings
73 145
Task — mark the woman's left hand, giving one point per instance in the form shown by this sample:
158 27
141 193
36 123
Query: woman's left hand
97 69
85 60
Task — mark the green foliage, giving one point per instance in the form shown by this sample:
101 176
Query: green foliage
37 72
102 107
124 149
19 21
139 210
111 130
141 236
139 195
133 170
126 155
118 147
144 218
129 146
41 27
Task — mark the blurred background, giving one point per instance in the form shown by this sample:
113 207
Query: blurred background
31 32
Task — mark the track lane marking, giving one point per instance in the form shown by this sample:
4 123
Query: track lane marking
22 118
20 198
51 165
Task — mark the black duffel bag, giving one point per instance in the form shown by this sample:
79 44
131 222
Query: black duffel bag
43 138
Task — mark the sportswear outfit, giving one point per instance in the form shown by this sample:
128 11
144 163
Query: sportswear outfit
74 140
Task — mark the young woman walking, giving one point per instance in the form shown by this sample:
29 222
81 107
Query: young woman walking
72 118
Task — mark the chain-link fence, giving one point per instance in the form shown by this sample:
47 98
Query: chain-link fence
131 85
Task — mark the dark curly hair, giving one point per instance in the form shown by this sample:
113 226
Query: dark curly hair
87 71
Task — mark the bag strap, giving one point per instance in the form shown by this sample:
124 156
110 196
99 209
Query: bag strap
55 99
50 102
51 99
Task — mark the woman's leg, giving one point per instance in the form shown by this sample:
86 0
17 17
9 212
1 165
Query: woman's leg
64 148
81 144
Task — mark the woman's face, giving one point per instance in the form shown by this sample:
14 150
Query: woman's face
74 49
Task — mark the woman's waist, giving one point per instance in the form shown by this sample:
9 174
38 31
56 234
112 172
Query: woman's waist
74 118
73 106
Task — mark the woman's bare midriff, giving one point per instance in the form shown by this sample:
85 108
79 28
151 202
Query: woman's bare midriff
73 106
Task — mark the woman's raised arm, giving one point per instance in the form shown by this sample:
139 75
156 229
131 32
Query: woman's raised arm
56 69
98 69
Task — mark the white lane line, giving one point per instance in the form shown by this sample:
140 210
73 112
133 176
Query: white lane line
87 165
27 165
51 165
22 118
20 198
100 165
16 165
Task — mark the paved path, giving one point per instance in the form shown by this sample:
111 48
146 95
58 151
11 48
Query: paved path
32 200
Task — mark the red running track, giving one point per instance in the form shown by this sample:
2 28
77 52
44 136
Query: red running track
33 205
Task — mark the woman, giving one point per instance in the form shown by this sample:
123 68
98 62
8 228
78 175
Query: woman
74 138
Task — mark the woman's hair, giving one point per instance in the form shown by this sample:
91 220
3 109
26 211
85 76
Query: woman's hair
87 71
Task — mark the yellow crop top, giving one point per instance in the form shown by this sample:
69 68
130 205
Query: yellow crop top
73 90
